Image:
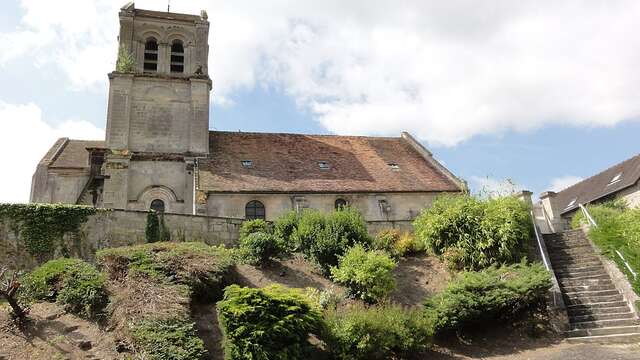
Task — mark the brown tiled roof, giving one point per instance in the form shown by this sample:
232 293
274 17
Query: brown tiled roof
289 163
598 186
71 154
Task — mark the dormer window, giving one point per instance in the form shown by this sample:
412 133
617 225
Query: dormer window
177 57
394 166
323 165
247 164
572 203
151 55
615 179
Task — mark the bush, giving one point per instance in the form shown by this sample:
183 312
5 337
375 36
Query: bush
381 332
493 293
75 284
476 233
367 274
168 339
254 226
285 226
323 238
258 248
269 323
395 243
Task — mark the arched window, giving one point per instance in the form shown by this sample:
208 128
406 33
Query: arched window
177 57
158 206
254 210
151 55
341 204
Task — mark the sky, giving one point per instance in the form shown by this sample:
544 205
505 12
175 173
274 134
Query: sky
540 94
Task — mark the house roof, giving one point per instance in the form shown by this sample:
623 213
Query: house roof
600 185
70 154
288 163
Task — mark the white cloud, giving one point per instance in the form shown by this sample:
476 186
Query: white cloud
491 187
563 182
24 139
444 70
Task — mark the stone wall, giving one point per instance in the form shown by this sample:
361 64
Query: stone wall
118 228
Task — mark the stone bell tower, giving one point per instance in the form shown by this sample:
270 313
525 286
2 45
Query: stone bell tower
158 111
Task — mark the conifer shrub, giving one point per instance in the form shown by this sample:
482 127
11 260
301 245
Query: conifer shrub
377 332
73 283
268 323
323 238
254 226
258 248
168 339
495 293
367 274
475 233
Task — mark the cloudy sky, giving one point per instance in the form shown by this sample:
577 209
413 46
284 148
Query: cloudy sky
540 92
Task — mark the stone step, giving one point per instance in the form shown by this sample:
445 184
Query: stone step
571 278
573 265
586 282
573 258
598 305
583 288
604 331
597 317
604 324
565 246
577 250
582 269
598 311
631 338
581 274
570 262
588 300
590 294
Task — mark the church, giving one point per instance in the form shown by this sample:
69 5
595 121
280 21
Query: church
160 154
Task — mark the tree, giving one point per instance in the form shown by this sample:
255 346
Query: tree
9 289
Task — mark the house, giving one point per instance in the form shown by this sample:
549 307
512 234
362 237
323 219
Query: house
620 181
159 153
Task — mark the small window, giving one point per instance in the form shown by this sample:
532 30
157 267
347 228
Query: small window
151 55
394 166
254 210
177 57
247 163
615 179
572 203
323 165
341 204
157 205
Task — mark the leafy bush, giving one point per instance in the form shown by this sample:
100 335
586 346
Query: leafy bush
285 226
396 243
254 226
323 238
259 247
269 323
618 230
489 294
367 274
380 332
168 339
476 233
77 285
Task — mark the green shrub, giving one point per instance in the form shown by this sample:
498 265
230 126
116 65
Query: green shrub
600 213
126 63
396 243
480 232
254 226
380 332
259 247
367 274
493 293
75 284
323 238
269 323
285 226
168 339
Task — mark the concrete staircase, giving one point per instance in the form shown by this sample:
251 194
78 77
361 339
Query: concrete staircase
597 311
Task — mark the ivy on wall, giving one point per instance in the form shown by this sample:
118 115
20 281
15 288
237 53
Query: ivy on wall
41 226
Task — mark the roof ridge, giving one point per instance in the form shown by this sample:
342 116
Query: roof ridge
600 173
302 134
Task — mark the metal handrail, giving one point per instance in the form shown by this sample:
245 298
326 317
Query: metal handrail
545 260
594 224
